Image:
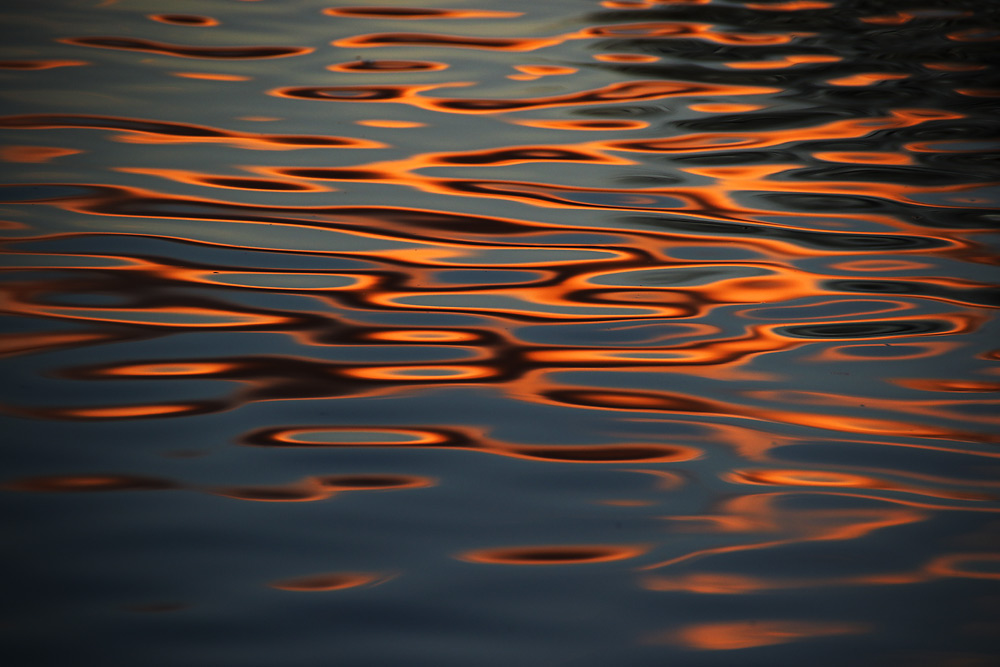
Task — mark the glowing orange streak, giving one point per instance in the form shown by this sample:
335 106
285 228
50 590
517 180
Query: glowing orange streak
362 281
331 581
554 555
885 519
840 129
35 154
728 584
415 13
790 6
211 77
93 315
40 64
631 91
633 401
787 61
924 407
703 31
152 132
946 566
13 344
749 179
127 411
216 181
439 248
828 479
752 634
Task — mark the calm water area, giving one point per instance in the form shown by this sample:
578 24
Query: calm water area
563 333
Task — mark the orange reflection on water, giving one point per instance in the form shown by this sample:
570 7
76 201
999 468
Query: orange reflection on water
763 514
185 19
469 440
958 385
169 370
88 483
868 157
789 6
554 555
785 62
331 581
423 336
584 125
965 565
144 131
412 95
40 64
322 487
34 154
225 182
828 478
751 634
127 411
895 350
624 58
436 373
15 344
411 13
390 66
182 51
866 79
390 124
207 76
724 107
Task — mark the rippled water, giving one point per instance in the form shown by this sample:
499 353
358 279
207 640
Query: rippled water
567 333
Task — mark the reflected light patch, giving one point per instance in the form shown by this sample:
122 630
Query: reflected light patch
34 154
882 265
372 482
126 412
182 369
724 107
625 58
184 19
584 125
751 634
967 565
411 13
869 157
76 483
604 453
553 555
866 79
207 76
421 373
320 437
423 336
388 66
40 64
706 583
791 6
392 124
330 581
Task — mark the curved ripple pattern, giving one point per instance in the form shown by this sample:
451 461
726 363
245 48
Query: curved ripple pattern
713 283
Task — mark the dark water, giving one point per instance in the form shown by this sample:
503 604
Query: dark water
563 333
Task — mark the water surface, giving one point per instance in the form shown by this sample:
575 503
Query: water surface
547 333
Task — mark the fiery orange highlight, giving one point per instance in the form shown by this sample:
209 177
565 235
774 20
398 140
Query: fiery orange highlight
332 581
751 634
34 154
553 555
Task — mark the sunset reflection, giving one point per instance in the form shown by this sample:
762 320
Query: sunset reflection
609 332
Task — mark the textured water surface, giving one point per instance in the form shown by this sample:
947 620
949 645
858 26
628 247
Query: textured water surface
564 333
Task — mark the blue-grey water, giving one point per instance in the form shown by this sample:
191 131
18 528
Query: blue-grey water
567 334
